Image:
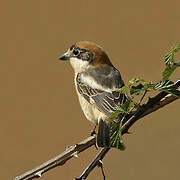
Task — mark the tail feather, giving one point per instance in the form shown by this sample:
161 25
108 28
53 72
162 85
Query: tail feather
103 136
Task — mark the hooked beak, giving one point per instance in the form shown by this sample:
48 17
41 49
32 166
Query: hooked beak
65 56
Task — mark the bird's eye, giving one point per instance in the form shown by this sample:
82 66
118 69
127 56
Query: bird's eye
71 48
76 52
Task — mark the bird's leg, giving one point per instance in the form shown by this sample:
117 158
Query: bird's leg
93 132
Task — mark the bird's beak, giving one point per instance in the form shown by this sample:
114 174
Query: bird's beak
65 57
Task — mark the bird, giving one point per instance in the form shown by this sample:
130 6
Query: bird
97 82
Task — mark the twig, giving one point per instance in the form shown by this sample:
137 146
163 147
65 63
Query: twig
93 164
152 105
59 160
102 169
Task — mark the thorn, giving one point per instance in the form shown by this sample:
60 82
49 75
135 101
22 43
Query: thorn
75 154
93 133
100 163
68 148
77 178
39 173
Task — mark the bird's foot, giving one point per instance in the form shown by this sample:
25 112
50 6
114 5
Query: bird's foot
93 132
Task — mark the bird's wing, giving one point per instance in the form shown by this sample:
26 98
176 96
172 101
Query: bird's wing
106 102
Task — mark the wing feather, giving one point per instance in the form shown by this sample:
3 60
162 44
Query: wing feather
106 102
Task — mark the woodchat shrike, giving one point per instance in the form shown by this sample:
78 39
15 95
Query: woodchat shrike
96 81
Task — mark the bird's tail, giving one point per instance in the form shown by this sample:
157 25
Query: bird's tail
103 136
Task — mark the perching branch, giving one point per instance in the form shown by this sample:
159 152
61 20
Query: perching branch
59 160
152 105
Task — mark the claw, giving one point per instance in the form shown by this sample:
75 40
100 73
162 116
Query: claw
95 145
93 132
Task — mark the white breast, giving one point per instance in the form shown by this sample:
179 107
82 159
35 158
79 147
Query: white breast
78 64
89 109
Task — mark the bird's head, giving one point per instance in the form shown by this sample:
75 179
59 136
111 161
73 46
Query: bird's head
83 55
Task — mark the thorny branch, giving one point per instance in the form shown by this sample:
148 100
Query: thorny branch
152 105
59 160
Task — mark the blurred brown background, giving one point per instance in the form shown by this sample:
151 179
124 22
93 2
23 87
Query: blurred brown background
40 114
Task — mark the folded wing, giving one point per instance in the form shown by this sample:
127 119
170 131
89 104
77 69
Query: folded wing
106 102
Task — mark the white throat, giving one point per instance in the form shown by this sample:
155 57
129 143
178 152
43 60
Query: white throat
78 64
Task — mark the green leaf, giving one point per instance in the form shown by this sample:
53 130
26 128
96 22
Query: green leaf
136 87
130 89
137 90
116 136
168 71
170 63
122 109
141 88
167 86
135 80
114 115
125 90
127 106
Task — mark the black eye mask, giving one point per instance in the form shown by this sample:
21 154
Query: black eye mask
82 54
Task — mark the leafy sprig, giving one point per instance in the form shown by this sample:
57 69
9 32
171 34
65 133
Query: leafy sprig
138 87
170 63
